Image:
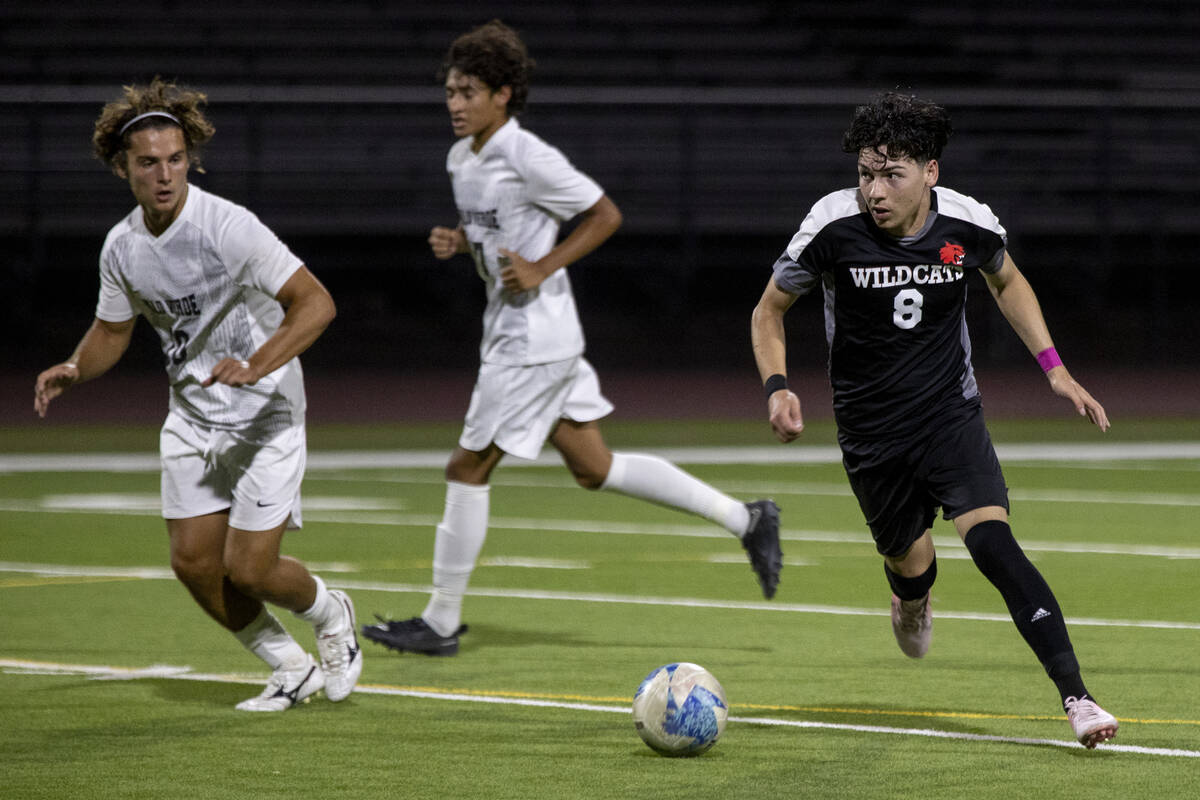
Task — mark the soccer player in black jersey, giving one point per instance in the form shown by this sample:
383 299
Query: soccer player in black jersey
891 259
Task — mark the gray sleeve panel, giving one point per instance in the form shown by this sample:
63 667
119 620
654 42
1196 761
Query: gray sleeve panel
793 278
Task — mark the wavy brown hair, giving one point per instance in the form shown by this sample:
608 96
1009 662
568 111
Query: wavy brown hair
907 126
109 143
495 54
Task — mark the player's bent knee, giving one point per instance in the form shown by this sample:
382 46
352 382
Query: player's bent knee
248 578
472 468
195 569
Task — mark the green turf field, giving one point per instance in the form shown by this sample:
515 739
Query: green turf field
114 685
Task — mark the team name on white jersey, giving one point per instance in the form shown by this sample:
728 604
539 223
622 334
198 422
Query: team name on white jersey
487 219
889 277
177 306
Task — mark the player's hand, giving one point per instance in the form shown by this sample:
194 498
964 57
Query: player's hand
51 383
1065 386
447 242
232 372
783 408
517 274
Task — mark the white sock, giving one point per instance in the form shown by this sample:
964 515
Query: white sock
267 639
324 613
459 539
659 481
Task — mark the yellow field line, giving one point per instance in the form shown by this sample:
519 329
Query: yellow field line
18 583
946 714
617 701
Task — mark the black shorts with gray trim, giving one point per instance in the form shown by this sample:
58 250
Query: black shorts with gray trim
900 483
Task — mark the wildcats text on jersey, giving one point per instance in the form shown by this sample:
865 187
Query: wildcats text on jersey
889 277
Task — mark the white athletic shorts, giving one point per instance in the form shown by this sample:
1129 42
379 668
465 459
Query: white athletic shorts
205 470
517 407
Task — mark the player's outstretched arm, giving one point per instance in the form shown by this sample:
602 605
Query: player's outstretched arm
309 310
595 226
1020 307
1064 385
100 348
770 354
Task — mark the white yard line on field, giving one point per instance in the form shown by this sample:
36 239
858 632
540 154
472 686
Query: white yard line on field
798 454
163 573
757 605
165 672
372 511
811 489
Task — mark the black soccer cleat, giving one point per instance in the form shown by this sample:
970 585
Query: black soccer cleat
413 636
762 544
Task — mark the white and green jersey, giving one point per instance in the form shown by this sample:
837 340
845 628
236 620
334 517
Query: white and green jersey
207 284
514 194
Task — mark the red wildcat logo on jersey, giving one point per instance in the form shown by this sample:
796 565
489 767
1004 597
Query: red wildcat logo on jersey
952 254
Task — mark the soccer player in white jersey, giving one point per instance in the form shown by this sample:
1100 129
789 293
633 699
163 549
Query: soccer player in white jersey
891 258
512 191
233 308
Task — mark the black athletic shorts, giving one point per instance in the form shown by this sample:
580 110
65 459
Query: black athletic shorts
949 462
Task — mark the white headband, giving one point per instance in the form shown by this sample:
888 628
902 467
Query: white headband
141 117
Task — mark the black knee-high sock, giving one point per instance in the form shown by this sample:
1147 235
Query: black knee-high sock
912 588
1029 600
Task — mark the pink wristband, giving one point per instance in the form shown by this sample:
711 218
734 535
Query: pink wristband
1048 359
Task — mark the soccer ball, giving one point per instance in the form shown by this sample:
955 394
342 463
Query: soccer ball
680 710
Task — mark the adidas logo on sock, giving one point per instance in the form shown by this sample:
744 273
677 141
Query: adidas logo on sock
1041 613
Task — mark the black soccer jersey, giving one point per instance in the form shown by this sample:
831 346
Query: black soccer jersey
894 308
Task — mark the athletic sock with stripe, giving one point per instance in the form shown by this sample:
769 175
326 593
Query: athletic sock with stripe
1030 602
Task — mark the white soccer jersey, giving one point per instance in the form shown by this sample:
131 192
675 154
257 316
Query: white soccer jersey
514 194
207 284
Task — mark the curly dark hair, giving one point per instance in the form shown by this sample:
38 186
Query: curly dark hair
494 54
908 127
110 141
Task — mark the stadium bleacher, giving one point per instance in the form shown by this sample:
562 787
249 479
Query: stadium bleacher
708 121
1104 44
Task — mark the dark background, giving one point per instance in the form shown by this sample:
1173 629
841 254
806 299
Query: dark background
713 125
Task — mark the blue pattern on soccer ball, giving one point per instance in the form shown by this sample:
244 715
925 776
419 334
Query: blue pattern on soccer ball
670 668
675 726
696 719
